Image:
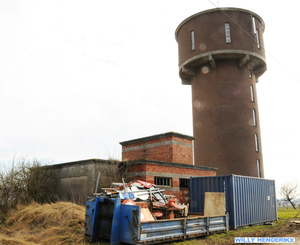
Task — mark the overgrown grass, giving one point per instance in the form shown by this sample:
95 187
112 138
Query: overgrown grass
23 182
63 223
58 223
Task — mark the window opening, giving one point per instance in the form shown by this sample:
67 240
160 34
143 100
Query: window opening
193 40
162 181
258 169
227 33
256 143
254 118
252 93
257 37
250 73
184 183
253 25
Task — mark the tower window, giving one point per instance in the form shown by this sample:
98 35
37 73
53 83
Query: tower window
253 25
250 73
256 143
258 168
257 37
254 118
252 93
162 181
227 33
193 40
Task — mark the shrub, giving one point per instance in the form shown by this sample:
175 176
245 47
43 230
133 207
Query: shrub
25 181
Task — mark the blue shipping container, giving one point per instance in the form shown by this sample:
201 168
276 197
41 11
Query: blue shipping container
249 200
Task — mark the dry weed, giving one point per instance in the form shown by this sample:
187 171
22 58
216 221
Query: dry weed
57 223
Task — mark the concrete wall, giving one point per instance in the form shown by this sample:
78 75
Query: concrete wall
74 181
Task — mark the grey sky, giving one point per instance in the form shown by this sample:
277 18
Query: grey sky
78 77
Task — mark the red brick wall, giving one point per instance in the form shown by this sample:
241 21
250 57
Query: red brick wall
167 153
172 170
160 169
149 179
165 169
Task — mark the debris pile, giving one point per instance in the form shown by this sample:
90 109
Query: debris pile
154 204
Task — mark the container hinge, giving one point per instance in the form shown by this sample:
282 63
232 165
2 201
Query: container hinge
184 229
134 235
207 226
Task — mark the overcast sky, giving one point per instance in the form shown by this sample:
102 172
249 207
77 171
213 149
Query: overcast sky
78 77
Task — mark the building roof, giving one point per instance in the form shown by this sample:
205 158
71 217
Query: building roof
81 162
157 136
216 10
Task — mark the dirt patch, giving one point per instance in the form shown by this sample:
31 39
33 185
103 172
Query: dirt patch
280 231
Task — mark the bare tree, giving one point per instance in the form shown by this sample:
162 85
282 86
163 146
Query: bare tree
289 191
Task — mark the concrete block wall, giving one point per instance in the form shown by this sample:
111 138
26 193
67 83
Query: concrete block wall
168 147
74 181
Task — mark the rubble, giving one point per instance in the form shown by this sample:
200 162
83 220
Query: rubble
154 204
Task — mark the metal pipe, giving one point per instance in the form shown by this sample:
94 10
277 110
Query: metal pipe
124 185
96 189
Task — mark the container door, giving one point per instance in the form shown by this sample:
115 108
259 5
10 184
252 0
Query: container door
90 208
130 223
106 220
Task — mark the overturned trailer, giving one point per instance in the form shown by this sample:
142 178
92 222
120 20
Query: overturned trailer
107 218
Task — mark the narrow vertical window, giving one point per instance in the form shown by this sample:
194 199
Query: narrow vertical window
254 118
252 93
258 168
192 40
227 33
250 73
257 37
253 25
256 143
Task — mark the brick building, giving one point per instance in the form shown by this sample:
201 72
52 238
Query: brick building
222 55
165 160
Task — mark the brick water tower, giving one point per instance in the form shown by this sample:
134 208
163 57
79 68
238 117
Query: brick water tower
221 56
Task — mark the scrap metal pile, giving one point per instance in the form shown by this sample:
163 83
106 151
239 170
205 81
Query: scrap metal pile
154 204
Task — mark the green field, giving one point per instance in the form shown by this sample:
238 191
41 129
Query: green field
287 213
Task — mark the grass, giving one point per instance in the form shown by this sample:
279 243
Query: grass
63 223
280 228
287 213
229 236
58 223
